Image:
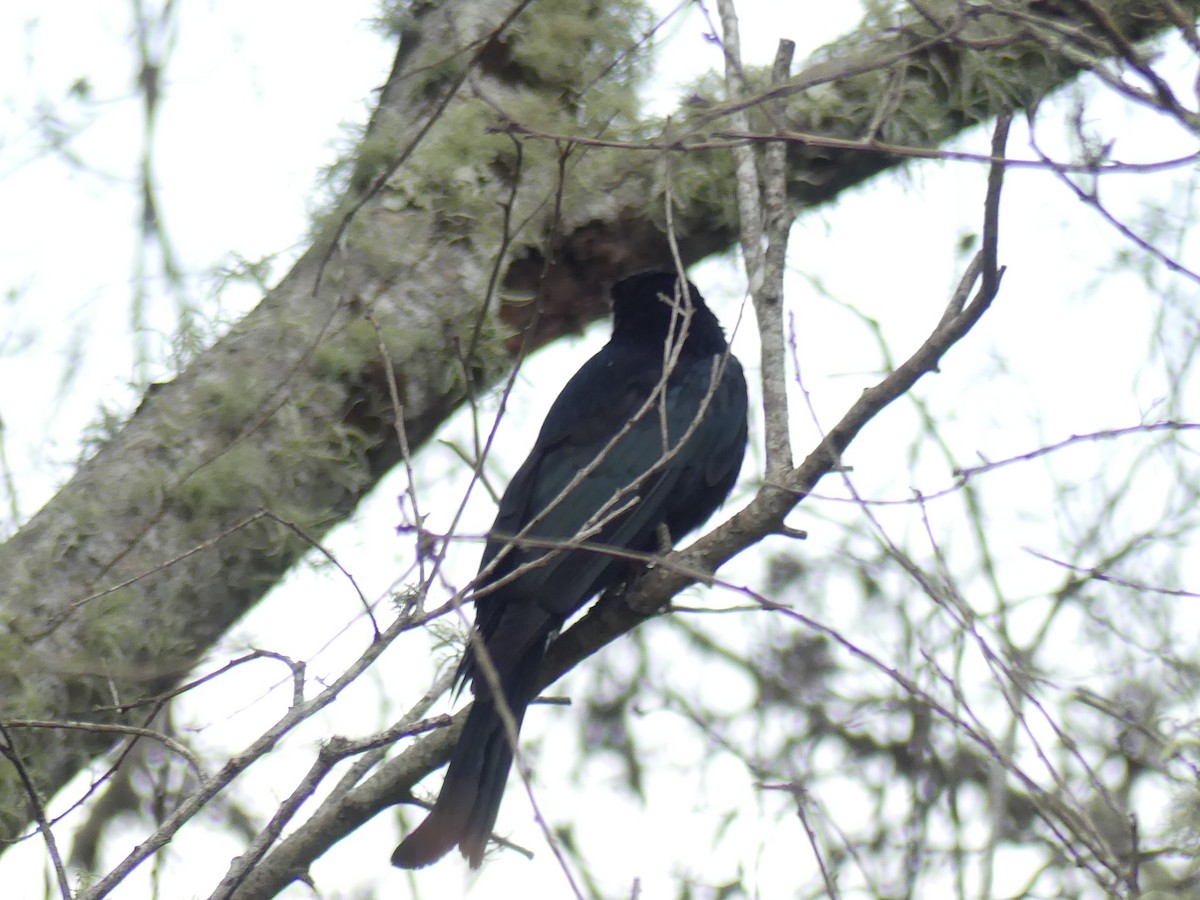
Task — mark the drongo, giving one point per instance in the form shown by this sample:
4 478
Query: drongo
641 446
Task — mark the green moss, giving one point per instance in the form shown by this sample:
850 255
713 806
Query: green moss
562 68
228 403
106 423
107 622
380 145
390 240
346 451
12 643
395 19
239 478
706 181
349 353
454 173
573 46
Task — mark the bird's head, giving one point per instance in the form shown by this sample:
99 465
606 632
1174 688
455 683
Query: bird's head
653 304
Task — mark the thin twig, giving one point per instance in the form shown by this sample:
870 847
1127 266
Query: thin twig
210 787
105 728
9 751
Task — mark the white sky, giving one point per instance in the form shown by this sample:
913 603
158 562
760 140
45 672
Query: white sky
248 122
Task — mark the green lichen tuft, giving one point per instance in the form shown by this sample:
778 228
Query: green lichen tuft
562 69
584 51
228 403
238 478
106 622
349 354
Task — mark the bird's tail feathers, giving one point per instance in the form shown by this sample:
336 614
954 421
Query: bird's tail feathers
469 800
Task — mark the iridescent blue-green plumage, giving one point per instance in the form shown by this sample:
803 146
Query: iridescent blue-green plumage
656 424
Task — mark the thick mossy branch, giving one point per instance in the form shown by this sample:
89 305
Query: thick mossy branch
909 80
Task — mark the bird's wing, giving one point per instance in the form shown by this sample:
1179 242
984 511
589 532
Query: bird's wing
589 431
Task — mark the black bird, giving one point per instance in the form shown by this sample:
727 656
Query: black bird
648 434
